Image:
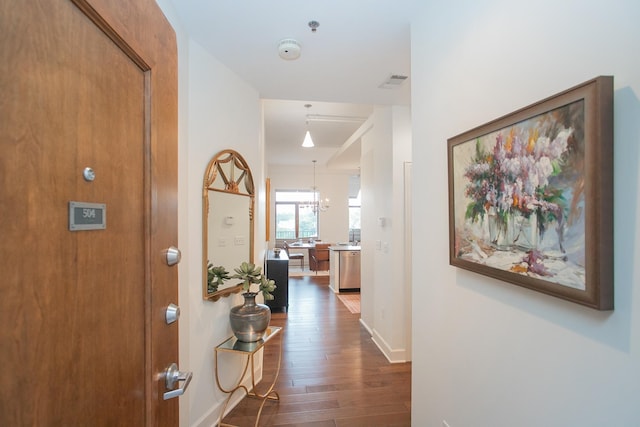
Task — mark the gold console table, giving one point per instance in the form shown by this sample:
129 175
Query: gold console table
248 350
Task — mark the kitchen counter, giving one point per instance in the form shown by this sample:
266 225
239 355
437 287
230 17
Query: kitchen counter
344 248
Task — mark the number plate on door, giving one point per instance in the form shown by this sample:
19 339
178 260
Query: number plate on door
87 216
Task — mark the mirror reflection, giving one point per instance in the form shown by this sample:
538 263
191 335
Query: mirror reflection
228 200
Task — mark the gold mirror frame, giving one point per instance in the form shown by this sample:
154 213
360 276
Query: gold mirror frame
229 173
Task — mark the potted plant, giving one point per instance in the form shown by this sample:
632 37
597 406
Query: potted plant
250 320
216 276
251 274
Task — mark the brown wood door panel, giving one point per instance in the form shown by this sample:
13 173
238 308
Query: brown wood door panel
83 333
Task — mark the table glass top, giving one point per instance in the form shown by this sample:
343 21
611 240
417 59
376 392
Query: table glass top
233 344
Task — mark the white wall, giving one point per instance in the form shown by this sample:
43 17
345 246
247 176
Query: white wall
386 146
486 353
398 327
217 110
223 113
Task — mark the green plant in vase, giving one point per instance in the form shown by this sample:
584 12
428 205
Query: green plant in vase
216 276
250 320
250 274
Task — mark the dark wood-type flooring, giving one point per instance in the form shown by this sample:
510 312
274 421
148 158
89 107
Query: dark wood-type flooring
332 374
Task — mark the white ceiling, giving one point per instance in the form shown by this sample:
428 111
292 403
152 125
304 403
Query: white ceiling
358 45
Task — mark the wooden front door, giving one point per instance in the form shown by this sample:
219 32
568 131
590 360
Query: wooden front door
88 114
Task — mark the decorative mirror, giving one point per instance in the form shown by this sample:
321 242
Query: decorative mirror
227 219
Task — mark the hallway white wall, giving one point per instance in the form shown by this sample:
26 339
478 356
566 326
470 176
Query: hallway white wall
217 110
386 146
223 113
487 353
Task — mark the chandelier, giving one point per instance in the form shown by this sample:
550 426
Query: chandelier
319 204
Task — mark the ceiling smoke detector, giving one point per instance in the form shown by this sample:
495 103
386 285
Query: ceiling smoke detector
289 49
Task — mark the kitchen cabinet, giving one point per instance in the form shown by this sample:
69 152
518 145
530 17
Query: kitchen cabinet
277 269
344 268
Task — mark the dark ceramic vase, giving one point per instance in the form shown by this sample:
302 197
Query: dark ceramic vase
250 320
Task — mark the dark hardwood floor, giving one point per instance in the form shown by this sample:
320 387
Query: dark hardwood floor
332 374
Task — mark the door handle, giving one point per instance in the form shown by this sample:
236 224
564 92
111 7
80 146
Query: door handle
171 376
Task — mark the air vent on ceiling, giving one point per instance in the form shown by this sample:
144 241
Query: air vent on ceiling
394 81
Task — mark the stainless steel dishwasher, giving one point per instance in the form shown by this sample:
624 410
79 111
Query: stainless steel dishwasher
349 270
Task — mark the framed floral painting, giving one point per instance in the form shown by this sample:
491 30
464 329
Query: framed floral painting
531 196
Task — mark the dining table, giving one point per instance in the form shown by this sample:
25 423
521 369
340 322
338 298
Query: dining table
302 245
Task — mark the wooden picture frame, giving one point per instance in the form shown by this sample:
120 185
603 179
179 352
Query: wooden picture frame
531 196
267 214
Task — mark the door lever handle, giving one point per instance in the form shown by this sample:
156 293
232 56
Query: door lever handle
172 376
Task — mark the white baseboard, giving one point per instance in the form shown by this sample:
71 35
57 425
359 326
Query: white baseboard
363 323
393 355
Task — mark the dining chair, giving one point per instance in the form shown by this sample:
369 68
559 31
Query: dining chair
319 257
294 255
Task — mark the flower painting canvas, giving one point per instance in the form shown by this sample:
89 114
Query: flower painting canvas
521 194
531 197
